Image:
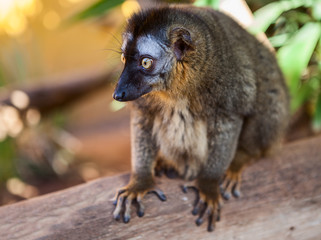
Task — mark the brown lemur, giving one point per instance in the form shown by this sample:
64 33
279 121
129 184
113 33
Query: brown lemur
207 99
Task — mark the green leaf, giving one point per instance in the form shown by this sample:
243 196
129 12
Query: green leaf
316 123
2 78
97 9
7 153
212 3
294 57
279 40
316 10
300 97
268 14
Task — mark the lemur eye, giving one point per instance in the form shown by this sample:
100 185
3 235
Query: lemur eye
122 58
147 63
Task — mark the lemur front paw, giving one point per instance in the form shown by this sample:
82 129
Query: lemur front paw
207 204
133 193
231 184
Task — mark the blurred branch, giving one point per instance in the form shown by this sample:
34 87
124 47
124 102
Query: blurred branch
50 97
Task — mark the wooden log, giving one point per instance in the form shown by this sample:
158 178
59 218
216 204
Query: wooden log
281 200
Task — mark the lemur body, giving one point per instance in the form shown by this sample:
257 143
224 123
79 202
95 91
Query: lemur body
207 98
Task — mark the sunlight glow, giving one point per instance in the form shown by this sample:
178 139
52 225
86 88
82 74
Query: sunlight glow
51 20
74 1
89 172
11 121
17 187
33 117
14 13
19 99
129 7
238 10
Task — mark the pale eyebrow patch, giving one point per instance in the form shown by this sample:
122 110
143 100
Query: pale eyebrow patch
126 38
147 45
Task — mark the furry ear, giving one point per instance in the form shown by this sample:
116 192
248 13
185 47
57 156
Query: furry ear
181 42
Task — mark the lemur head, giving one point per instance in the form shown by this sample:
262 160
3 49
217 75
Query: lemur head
152 46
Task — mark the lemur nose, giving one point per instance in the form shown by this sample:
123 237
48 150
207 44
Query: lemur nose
119 95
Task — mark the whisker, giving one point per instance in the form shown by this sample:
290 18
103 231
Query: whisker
110 49
113 35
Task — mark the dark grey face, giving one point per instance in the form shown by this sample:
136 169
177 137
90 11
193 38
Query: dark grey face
146 63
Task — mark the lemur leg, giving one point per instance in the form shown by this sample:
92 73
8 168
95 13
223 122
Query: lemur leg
142 181
232 180
224 132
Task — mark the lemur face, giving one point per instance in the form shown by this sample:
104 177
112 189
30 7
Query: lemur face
146 64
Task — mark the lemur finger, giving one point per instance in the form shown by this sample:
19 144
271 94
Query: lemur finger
218 213
200 219
226 190
141 209
128 203
236 190
159 193
222 180
211 222
120 191
236 187
118 208
185 188
198 206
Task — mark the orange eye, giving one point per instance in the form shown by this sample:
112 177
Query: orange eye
147 63
122 58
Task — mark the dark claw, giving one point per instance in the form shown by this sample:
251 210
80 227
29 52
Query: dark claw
140 213
140 209
159 194
195 210
119 192
197 207
184 188
235 192
126 219
203 211
210 226
199 221
117 217
226 196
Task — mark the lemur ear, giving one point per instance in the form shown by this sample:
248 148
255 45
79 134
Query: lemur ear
181 42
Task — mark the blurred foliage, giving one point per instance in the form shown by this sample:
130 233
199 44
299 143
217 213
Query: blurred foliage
2 78
97 9
211 3
102 7
294 29
7 169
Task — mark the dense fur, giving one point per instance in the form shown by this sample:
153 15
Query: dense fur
216 94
